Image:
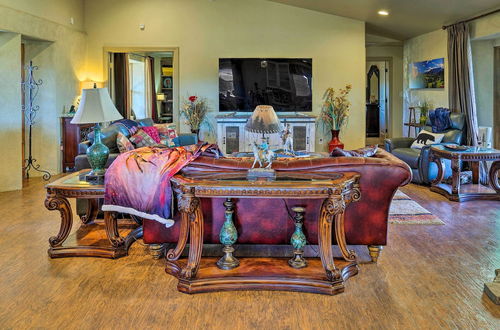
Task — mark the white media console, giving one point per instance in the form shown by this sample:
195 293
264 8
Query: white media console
232 136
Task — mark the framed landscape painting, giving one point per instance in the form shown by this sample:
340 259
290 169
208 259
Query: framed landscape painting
427 74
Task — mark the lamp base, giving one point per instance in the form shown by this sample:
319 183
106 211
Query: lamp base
93 178
261 173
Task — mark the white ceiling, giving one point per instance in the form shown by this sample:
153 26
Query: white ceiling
407 18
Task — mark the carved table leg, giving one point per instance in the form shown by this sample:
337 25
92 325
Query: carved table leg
193 206
228 236
455 167
329 208
298 240
441 168
53 202
92 210
174 254
111 225
340 236
494 176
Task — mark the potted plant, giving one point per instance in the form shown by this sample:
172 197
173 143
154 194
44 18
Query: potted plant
195 110
424 112
335 113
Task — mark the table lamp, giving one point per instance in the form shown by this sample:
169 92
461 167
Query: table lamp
96 107
263 121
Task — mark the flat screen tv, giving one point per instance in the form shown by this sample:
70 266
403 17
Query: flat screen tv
284 83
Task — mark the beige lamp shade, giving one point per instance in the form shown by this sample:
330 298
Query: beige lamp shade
263 120
160 97
95 106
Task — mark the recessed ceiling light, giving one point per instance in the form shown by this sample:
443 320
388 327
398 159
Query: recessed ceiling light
383 12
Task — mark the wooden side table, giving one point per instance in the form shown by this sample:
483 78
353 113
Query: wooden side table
326 276
456 192
94 238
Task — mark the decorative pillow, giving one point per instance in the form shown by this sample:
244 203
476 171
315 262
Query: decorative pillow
426 138
142 139
368 151
166 130
168 142
153 132
123 143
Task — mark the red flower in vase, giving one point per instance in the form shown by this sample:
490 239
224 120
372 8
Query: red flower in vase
193 98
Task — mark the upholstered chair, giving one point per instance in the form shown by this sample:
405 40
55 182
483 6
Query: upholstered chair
422 169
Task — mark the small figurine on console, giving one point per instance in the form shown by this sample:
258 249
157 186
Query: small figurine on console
262 155
287 139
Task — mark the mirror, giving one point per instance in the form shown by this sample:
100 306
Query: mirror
373 85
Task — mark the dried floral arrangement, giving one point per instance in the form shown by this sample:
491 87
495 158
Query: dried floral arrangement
335 110
195 110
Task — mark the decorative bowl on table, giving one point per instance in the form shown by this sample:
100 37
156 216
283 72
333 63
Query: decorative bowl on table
456 147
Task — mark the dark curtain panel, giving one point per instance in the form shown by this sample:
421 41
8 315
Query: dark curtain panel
461 78
154 110
461 82
121 80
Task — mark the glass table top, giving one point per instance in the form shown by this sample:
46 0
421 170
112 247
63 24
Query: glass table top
280 177
475 150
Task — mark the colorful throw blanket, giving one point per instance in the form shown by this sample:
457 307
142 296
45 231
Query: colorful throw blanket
138 181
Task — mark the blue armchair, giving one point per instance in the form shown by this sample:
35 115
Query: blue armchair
422 169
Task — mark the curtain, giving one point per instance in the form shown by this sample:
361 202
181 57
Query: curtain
461 83
152 88
121 84
148 88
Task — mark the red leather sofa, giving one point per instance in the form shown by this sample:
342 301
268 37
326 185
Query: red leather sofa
266 221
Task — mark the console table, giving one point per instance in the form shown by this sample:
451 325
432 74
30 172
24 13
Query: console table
94 238
197 274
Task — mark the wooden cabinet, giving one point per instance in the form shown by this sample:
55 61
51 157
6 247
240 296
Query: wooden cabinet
232 136
71 136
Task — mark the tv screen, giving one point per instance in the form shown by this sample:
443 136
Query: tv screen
284 83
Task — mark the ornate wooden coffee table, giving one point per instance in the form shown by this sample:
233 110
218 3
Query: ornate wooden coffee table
94 238
198 274
457 192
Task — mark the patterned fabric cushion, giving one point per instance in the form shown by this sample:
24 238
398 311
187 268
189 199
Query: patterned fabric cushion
167 134
123 143
128 123
425 138
153 132
166 130
142 139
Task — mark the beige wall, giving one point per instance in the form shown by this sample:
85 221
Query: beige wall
485 34
424 47
58 11
10 112
60 53
204 31
482 55
395 53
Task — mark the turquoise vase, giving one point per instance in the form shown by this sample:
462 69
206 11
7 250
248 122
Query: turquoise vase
228 236
97 153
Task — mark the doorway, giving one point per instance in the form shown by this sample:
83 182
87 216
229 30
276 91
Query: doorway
143 83
377 100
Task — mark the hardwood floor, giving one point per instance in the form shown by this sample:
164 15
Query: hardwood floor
427 277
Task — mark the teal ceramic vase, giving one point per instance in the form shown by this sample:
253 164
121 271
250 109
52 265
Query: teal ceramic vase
97 153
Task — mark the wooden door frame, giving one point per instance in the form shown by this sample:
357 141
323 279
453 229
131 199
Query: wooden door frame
23 104
496 98
175 62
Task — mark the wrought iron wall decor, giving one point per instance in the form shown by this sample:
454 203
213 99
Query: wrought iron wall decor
30 110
